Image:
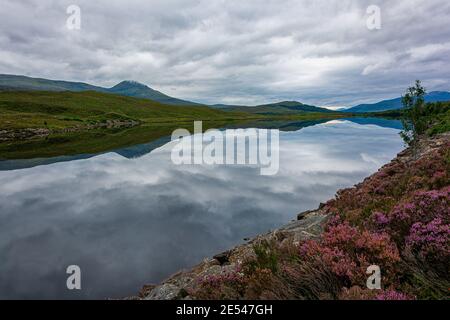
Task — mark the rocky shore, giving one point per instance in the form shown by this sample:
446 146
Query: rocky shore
310 225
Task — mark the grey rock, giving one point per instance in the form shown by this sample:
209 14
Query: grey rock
166 291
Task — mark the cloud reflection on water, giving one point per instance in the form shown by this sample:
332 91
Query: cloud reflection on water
127 222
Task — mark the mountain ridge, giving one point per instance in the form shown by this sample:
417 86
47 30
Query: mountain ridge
283 107
127 88
396 103
135 89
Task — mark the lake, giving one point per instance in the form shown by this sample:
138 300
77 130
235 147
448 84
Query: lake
131 217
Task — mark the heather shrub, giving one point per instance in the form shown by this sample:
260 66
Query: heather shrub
224 286
421 278
348 251
391 185
264 284
311 279
266 253
358 293
392 295
431 242
422 208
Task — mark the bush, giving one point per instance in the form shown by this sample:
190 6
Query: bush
266 257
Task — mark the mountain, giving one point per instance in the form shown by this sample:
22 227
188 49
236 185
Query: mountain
125 88
139 90
394 104
284 107
21 83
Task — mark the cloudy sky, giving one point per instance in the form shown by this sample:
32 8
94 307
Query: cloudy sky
236 52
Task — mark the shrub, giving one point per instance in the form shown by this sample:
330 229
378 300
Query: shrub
422 208
224 286
430 241
266 257
392 295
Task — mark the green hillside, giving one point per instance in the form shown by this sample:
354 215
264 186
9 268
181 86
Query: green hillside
279 108
58 110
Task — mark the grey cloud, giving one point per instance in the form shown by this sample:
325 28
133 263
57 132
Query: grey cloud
233 51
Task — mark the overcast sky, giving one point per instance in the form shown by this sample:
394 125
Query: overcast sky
236 52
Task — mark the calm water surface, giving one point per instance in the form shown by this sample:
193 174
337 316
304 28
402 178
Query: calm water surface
128 221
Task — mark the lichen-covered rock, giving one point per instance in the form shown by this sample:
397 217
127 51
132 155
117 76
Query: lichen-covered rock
166 291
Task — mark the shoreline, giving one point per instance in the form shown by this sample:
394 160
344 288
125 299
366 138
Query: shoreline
308 226
36 133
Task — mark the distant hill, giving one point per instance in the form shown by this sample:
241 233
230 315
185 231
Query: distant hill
139 90
222 106
394 104
125 88
21 83
285 107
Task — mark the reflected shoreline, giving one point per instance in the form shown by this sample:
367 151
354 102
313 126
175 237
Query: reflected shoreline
139 150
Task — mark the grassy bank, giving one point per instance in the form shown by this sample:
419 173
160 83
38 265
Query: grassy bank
59 110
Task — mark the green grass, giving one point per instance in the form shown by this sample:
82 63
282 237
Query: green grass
436 117
57 110
441 124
